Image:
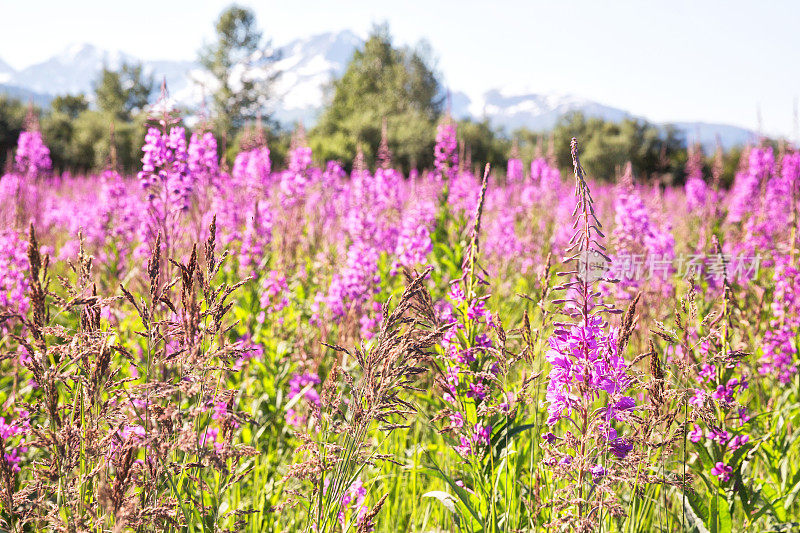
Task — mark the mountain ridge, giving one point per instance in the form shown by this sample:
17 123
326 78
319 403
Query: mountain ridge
308 64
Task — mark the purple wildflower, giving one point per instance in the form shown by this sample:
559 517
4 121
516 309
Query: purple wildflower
445 152
722 471
33 157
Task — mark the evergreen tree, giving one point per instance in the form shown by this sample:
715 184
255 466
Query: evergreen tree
381 81
123 93
12 122
242 66
656 152
70 105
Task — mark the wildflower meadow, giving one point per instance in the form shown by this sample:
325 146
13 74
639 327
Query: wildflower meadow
259 347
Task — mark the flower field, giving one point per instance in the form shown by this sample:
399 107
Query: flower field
465 348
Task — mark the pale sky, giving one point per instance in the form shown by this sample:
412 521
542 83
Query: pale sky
710 61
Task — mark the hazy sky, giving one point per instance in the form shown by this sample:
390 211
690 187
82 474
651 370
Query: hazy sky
667 61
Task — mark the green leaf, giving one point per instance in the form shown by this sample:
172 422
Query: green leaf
462 494
705 457
724 514
697 511
790 498
772 497
713 513
516 430
744 494
741 454
446 499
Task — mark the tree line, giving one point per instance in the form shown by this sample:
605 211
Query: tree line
385 88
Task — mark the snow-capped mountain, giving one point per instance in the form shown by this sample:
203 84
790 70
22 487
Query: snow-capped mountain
6 72
72 71
512 110
77 69
307 66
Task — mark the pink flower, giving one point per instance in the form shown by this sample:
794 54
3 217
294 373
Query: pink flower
722 471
